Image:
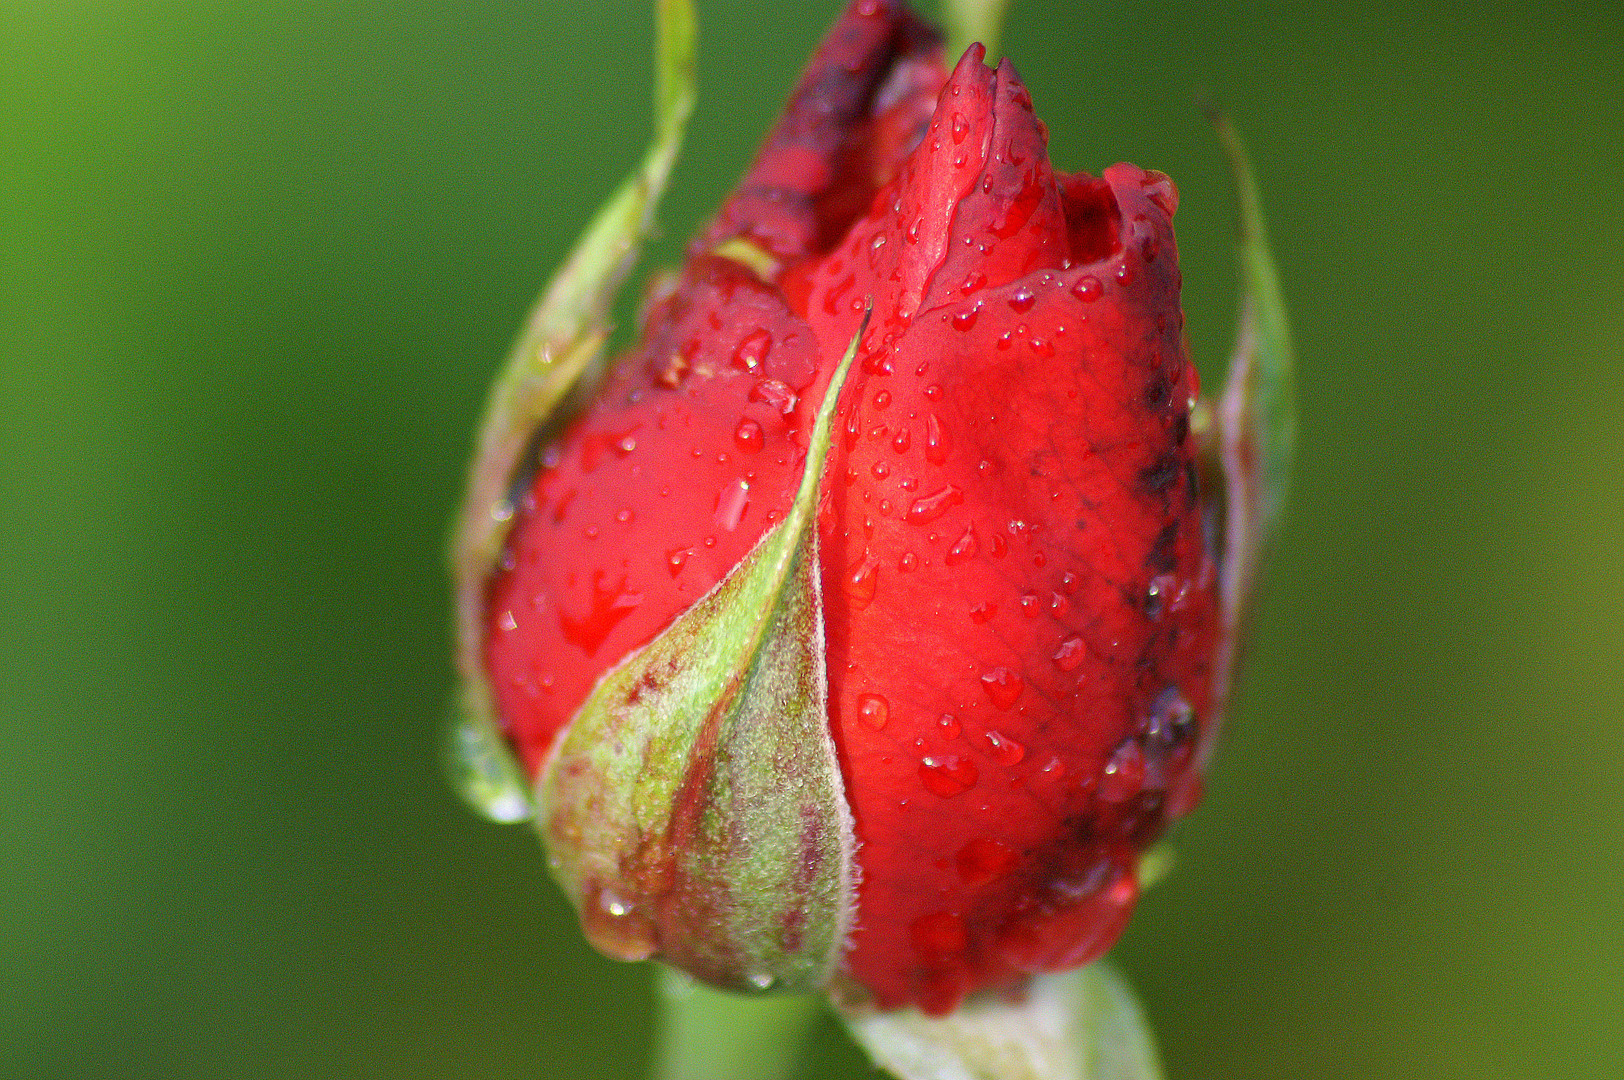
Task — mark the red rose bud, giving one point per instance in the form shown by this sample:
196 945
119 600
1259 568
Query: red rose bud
895 712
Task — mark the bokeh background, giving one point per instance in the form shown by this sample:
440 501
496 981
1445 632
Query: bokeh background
257 264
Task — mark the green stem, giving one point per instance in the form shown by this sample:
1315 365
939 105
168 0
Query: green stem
970 21
706 1034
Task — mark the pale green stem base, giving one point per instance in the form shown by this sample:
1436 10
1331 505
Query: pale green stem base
706 1034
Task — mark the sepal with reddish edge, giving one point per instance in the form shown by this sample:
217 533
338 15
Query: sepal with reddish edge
1249 435
562 343
694 808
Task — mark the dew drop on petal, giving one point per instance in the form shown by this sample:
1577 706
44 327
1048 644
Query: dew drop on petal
948 775
1022 301
928 508
1005 750
1088 289
1003 686
863 582
964 547
982 861
748 436
935 440
1124 774
731 503
1070 655
752 350
873 711
775 393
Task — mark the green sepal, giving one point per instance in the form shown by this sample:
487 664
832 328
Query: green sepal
1080 1025
694 808
562 341
1250 434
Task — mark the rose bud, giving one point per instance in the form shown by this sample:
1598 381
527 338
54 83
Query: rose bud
877 680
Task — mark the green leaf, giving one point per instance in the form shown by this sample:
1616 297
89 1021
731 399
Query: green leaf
694 807
563 339
1082 1025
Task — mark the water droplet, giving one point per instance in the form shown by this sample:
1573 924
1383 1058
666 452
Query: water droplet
1005 750
1030 607
939 935
901 441
961 127
761 980
506 621
966 319
964 547
676 559
882 398
1022 301
1077 921
948 775
928 508
1159 189
731 502
908 561
1003 686
982 613
752 350
873 711
880 470
615 927
1058 605
982 861
484 772
974 281
935 439
748 436
774 393
863 582
610 604
1068 582
1071 654
1171 721
1088 289
1124 274
949 726
1124 774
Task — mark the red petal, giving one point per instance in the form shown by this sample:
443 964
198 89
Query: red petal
856 113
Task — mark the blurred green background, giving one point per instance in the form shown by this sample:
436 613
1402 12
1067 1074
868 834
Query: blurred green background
257 264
